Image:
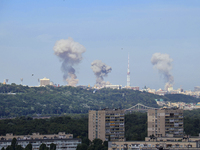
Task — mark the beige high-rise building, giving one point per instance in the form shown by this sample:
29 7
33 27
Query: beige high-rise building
44 81
165 122
106 124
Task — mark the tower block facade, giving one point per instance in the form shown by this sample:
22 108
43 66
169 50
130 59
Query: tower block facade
165 122
106 124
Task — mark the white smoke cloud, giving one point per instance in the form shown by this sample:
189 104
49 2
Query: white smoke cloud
70 54
163 63
100 70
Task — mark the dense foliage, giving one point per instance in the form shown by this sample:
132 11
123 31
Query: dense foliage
192 122
136 126
18 100
28 125
96 144
181 98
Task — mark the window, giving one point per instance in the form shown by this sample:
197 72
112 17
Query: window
177 145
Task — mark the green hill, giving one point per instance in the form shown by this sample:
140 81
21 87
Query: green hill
181 98
18 100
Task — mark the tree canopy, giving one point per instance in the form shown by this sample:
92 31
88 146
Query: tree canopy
18 100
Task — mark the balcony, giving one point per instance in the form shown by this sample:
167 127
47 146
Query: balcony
180 129
114 146
169 123
166 114
135 146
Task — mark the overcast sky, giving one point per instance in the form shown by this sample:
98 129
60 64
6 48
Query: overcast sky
29 30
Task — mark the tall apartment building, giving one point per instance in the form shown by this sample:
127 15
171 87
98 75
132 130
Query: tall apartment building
165 122
106 124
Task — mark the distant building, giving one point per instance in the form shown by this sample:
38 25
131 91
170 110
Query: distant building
174 92
165 122
82 86
4 82
10 136
63 141
160 92
106 124
170 89
197 105
44 81
137 88
196 88
154 145
114 86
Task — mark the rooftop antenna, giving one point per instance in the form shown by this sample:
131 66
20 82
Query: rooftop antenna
128 74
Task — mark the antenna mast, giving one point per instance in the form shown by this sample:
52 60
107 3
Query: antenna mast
128 75
21 80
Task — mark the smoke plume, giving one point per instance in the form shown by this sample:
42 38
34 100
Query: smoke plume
100 70
163 63
70 54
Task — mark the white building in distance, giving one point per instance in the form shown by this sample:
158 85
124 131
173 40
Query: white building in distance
44 81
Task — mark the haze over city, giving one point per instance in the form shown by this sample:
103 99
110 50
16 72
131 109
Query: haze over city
108 31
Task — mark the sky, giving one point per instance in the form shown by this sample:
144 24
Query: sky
109 30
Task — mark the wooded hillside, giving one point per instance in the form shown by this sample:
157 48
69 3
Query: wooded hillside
18 100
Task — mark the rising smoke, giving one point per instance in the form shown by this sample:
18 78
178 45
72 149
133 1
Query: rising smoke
100 70
70 54
163 63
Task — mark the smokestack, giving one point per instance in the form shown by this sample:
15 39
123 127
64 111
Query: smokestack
163 63
70 54
100 70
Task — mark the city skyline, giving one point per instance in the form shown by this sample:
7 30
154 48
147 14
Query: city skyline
109 31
